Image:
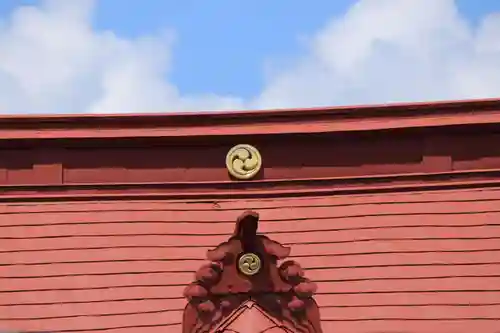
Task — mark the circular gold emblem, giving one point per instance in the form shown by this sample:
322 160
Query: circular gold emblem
243 161
249 264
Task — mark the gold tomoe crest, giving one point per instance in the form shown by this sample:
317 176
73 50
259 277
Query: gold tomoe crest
243 161
249 264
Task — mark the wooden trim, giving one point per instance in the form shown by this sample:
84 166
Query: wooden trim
45 175
253 189
271 122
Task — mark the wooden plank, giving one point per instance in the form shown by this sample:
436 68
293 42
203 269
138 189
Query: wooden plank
440 316
210 238
99 268
410 326
94 322
368 326
33 299
319 274
353 299
144 328
335 247
402 272
409 299
97 281
197 255
111 254
443 196
89 295
176 286
318 120
57 310
272 227
413 285
344 251
163 255
270 214
328 313
431 312
400 259
333 276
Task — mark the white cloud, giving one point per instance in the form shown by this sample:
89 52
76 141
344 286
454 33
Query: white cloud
391 51
51 60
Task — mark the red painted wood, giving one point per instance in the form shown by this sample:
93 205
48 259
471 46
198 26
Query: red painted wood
319 120
420 256
392 211
250 318
256 189
356 327
336 210
450 198
278 296
353 161
458 301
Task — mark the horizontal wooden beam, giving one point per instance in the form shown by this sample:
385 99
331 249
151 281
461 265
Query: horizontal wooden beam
304 152
271 122
253 189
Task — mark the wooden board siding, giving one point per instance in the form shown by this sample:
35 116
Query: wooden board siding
49 153
417 262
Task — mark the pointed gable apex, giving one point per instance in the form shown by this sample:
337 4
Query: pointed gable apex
250 318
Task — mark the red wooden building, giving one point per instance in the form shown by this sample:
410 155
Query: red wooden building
392 212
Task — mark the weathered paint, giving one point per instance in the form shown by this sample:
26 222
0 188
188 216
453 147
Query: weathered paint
381 262
392 211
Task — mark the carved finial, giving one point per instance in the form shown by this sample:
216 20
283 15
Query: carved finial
247 225
245 268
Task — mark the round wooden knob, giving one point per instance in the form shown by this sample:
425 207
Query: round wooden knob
249 264
243 161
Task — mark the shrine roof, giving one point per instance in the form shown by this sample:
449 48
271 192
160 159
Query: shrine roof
260 122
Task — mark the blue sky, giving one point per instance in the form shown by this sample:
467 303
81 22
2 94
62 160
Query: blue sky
223 44
225 47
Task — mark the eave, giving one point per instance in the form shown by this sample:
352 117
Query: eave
306 152
450 114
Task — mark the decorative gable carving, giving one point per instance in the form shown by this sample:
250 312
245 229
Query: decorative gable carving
243 280
250 318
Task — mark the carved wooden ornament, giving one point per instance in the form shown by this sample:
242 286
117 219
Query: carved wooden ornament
243 290
243 162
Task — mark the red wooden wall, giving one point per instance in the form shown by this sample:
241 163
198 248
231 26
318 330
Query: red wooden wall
103 220
416 262
285 158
